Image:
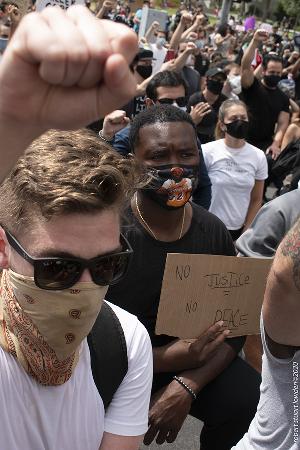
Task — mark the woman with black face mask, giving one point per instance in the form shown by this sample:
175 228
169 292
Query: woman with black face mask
236 168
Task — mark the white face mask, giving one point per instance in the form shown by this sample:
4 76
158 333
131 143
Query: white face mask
160 42
47 327
235 83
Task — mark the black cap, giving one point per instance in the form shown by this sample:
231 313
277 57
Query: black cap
215 71
144 53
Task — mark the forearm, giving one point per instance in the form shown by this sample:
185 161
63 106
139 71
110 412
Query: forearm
278 137
188 31
197 379
14 141
296 68
173 357
253 209
149 34
248 55
180 61
101 13
175 40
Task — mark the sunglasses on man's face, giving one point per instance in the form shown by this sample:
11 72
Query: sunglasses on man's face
55 273
181 101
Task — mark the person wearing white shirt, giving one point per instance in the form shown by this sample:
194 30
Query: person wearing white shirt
62 193
237 169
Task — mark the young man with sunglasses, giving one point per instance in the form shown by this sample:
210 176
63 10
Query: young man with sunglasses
60 244
165 88
221 389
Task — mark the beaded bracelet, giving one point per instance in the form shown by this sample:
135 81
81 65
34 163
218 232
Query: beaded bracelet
108 141
185 386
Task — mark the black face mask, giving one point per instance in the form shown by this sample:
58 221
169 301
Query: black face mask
172 186
144 71
272 80
237 128
215 86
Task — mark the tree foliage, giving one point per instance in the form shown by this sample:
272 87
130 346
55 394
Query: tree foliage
291 7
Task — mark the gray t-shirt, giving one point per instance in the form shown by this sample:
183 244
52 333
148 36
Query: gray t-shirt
276 423
270 225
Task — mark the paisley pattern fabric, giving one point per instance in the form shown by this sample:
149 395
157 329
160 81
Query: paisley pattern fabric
65 319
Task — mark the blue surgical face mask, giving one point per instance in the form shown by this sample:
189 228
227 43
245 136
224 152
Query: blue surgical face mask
160 42
3 44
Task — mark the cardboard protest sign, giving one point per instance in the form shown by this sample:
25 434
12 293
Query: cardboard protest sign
200 290
149 16
64 4
267 27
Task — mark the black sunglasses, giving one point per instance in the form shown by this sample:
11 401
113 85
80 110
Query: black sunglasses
54 273
181 101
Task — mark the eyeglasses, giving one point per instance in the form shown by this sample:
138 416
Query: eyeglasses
54 273
181 101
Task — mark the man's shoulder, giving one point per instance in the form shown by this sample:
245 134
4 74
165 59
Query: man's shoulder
131 326
206 218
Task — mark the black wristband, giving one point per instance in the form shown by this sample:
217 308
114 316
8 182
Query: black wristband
185 386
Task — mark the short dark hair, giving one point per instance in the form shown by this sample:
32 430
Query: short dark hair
268 58
166 79
156 114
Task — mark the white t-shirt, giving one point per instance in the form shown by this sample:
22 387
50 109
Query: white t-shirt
159 56
72 416
233 173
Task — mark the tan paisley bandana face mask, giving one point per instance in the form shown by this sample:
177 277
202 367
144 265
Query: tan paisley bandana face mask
44 329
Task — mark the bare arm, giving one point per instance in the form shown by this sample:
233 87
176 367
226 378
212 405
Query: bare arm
282 124
247 71
116 442
292 133
281 307
197 379
151 30
187 354
186 19
255 202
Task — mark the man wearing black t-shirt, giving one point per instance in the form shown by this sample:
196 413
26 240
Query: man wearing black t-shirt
268 105
204 106
161 220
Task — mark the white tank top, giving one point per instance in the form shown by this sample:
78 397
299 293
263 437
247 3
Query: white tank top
276 425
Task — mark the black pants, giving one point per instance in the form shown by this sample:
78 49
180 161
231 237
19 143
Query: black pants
235 234
226 405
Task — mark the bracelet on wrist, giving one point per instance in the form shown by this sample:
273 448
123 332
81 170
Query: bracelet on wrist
103 138
185 386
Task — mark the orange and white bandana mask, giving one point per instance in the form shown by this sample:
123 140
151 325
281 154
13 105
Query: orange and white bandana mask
44 329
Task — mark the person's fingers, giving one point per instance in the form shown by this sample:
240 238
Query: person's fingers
210 334
218 340
97 41
150 435
171 437
119 85
122 39
206 112
162 436
76 50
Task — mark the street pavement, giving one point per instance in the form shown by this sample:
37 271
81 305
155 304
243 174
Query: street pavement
188 438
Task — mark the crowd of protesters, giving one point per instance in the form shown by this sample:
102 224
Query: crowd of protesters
185 137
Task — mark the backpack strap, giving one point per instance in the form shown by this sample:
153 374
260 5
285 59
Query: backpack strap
108 350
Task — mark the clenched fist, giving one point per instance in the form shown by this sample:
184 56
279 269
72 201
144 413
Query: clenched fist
65 69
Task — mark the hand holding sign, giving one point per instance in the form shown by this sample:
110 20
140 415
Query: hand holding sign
64 70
